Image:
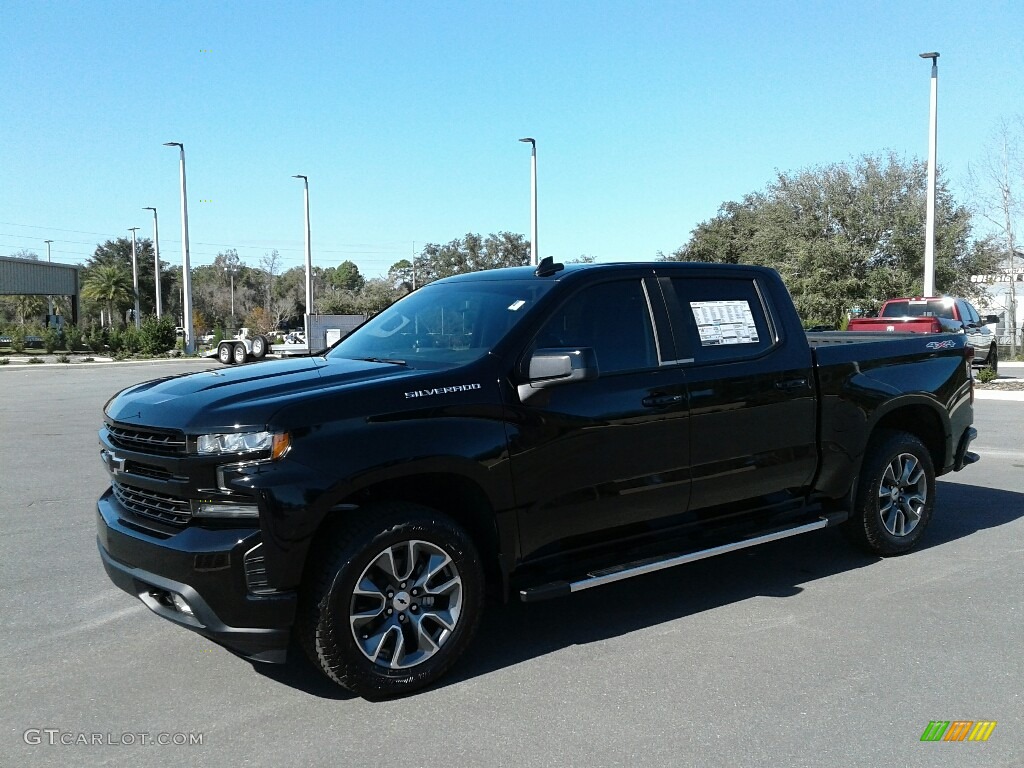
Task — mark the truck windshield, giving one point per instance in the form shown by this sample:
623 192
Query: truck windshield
922 308
443 324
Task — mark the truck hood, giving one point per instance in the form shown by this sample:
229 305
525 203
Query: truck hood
235 398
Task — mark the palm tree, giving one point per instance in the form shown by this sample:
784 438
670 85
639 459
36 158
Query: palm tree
110 284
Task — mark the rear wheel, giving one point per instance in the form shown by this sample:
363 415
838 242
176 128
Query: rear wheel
239 353
895 495
225 353
391 600
259 347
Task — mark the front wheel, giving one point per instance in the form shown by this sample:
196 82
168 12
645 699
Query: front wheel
239 353
392 600
895 495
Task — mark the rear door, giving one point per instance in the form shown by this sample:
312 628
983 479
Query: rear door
750 392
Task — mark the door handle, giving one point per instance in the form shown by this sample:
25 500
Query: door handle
660 401
790 384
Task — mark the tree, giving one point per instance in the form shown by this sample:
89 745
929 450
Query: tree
119 253
270 264
345 277
845 235
996 186
25 253
110 285
471 253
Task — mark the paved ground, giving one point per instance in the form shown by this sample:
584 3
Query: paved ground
799 653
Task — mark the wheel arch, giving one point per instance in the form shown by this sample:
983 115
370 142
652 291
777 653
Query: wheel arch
457 496
923 420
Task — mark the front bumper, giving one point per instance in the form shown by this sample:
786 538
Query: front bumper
205 567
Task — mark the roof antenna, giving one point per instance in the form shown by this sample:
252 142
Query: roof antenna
547 267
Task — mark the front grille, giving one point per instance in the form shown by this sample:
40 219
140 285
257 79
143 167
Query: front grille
156 506
147 440
148 470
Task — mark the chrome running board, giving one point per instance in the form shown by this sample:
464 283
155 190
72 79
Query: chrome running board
639 567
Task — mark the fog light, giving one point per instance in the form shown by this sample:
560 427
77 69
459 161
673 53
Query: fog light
181 604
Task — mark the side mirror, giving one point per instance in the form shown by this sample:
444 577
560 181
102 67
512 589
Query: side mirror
552 367
990 319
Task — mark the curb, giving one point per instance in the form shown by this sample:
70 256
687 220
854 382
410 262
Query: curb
50 366
999 394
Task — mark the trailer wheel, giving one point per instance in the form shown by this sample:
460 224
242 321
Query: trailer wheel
239 353
895 495
259 347
225 353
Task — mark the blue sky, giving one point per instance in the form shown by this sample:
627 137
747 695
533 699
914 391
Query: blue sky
405 116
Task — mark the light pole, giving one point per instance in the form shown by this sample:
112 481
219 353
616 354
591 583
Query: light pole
929 230
186 276
156 258
309 263
534 259
135 277
49 299
231 268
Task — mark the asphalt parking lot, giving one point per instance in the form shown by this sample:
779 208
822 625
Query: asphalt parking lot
799 653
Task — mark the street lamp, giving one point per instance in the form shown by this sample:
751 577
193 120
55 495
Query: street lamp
156 258
533 199
929 230
186 276
135 277
231 268
309 263
49 299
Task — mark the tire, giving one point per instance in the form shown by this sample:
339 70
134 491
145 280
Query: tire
239 354
386 639
259 347
225 353
895 495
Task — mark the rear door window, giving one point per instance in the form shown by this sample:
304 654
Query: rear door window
723 318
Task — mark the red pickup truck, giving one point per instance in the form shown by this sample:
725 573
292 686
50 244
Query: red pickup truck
937 314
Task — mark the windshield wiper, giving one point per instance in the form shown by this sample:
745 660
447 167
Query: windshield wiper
381 360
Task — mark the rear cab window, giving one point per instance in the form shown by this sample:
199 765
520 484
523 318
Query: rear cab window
721 319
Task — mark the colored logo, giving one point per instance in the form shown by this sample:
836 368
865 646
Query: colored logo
958 730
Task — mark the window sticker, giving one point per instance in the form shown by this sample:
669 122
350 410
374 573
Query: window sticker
724 322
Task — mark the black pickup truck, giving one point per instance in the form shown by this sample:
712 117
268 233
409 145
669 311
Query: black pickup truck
527 431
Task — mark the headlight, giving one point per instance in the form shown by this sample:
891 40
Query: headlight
244 442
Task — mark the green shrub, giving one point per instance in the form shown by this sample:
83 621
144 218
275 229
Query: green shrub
985 375
18 339
218 337
114 341
73 337
4 361
63 359
95 341
157 336
51 338
131 339
87 359
36 360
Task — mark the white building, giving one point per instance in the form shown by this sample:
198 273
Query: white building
1004 290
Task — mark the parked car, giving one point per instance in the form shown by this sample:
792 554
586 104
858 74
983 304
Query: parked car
532 432
937 314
